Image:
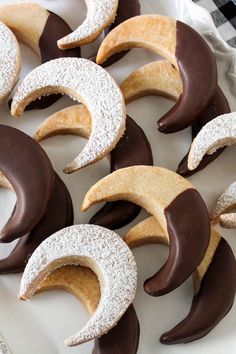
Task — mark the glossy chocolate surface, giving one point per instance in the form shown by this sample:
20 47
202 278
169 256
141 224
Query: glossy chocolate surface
126 9
133 149
213 301
189 231
197 66
218 106
123 338
27 167
55 28
58 215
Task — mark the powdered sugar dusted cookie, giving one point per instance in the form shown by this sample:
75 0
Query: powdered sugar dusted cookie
220 132
101 13
83 283
10 61
225 203
88 83
39 29
99 249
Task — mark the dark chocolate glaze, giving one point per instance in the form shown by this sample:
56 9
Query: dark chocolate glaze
55 28
197 66
27 167
218 105
213 301
123 338
126 9
59 215
188 227
133 149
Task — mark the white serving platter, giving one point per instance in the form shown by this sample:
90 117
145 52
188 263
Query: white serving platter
41 325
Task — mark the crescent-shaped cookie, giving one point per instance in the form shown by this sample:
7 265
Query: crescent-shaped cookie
176 42
106 254
176 205
10 59
161 78
59 214
217 271
132 149
39 29
126 9
214 135
85 82
31 176
83 283
225 203
100 14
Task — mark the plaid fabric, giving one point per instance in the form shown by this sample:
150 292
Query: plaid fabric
223 13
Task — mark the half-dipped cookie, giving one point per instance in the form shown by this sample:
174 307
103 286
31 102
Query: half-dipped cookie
176 205
39 29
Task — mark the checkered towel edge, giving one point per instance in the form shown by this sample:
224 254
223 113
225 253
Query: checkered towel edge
223 13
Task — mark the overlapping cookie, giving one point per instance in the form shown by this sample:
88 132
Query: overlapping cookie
175 204
175 41
88 83
100 14
59 214
106 254
83 283
31 202
216 272
39 29
132 149
161 78
216 134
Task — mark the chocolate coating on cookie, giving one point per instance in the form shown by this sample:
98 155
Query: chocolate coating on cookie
126 10
133 149
123 338
218 106
55 28
183 217
198 70
30 172
58 215
213 301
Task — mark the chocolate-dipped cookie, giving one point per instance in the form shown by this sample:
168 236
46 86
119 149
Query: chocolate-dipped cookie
31 175
162 79
214 280
175 203
59 214
132 149
39 29
198 71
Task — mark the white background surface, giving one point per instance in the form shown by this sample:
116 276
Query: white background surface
41 325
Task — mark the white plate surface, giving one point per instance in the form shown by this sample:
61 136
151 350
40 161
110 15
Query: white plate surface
41 325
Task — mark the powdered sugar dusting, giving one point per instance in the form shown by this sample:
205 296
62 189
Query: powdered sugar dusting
220 132
111 255
226 201
9 61
99 92
100 14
